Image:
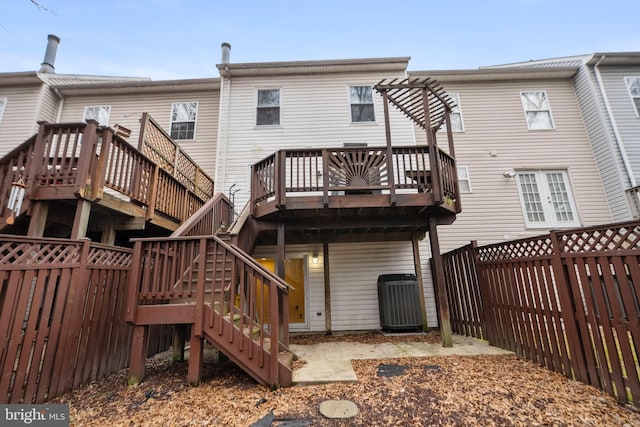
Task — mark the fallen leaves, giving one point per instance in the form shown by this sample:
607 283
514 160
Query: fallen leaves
433 391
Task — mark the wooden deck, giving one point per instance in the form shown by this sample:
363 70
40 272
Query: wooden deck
80 168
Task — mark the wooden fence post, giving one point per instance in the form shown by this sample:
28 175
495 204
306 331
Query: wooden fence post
568 309
486 322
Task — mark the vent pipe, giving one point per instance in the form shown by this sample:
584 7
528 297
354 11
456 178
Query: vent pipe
226 53
48 65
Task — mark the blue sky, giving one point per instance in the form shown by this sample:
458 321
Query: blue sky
167 39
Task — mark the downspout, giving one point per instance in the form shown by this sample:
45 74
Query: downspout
60 104
616 133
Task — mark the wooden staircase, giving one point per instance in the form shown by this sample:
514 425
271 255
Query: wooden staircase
220 293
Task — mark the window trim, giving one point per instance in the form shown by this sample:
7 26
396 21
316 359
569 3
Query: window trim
459 112
631 96
107 107
195 121
524 109
373 104
3 106
279 124
468 178
548 211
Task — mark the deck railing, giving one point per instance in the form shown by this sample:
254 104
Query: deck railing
83 160
217 213
337 171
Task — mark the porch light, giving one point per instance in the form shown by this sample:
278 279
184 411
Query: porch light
314 257
509 174
16 197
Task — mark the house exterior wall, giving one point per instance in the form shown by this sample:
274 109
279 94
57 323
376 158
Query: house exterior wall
600 134
127 109
496 139
19 121
627 124
314 112
355 268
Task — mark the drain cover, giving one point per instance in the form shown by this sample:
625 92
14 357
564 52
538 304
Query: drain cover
391 370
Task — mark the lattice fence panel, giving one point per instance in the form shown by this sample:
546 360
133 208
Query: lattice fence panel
601 239
517 249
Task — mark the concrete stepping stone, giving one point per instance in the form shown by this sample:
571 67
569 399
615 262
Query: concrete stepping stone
338 409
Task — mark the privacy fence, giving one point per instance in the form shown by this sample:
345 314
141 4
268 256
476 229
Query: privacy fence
62 316
568 300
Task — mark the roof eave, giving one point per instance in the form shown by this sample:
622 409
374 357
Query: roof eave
394 64
488 74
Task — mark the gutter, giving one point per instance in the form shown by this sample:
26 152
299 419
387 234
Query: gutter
616 133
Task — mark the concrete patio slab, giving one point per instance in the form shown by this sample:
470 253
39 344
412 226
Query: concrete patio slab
331 361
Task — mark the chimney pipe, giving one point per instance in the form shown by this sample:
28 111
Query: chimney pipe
226 53
49 61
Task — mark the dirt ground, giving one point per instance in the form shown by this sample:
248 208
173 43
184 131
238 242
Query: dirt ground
433 391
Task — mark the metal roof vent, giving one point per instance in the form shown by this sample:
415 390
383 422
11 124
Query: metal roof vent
47 65
226 53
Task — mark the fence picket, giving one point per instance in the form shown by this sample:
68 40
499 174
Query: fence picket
569 301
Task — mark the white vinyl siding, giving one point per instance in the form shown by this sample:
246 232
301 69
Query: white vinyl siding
268 107
99 113
633 85
361 102
456 114
317 115
183 120
127 109
20 118
354 292
3 103
546 199
496 140
537 110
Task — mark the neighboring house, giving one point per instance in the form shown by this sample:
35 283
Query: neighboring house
524 160
607 87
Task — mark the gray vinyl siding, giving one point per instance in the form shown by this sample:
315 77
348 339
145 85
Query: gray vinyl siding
601 137
127 109
627 121
19 121
314 112
494 121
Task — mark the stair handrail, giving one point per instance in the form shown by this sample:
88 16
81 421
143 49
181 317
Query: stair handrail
218 211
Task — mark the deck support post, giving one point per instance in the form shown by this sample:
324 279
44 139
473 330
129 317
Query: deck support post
179 338
418 267
38 222
280 261
139 343
194 374
327 287
438 278
81 219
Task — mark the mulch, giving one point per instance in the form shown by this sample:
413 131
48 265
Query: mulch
432 391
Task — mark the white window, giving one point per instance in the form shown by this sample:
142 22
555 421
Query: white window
633 85
268 110
546 199
456 114
464 181
361 100
99 113
183 120
3 104
537 110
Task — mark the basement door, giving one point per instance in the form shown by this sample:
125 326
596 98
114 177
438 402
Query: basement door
294 272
